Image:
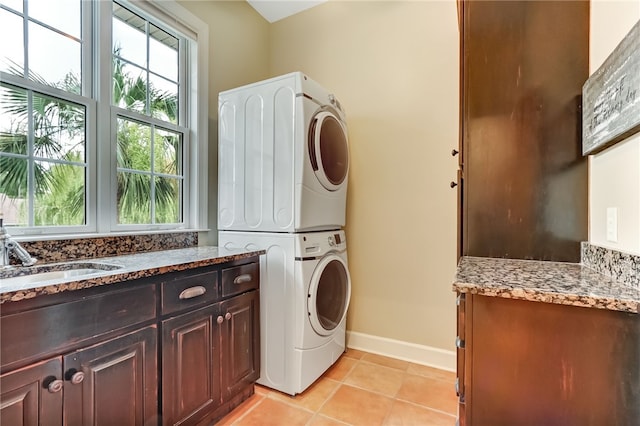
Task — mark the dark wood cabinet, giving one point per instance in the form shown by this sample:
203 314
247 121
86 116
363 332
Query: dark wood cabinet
113 382
108 383
240 330
211 355
180 348
535 363
190 367
522 67
32 396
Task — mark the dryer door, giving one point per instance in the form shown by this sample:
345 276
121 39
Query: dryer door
329 294
328 150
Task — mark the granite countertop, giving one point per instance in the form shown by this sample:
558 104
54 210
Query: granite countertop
541 281
130 267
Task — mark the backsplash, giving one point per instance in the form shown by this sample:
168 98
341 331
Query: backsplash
50 251
623 267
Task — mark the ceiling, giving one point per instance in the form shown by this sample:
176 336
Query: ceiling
274 10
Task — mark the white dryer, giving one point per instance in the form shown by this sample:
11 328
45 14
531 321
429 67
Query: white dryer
305 288
283 157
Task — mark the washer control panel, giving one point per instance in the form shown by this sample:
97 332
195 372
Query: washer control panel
319 243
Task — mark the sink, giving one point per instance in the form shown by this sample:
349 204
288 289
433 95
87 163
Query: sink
61 271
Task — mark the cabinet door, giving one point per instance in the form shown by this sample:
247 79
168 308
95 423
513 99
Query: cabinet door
32 395
114 382
241 347
190 366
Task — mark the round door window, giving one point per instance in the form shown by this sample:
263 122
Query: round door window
329 294
329 150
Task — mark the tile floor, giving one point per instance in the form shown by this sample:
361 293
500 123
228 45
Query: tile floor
360 389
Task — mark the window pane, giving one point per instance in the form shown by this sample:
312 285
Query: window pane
59 129
134 198
14 124
13 190
14 170
63 15
167 149
164 99
60 194
129 37
134 145
11 52
167 208
13 4
163 53
130 87
54 59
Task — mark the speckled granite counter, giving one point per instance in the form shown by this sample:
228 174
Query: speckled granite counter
130 267
550 282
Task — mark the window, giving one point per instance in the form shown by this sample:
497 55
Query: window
80 153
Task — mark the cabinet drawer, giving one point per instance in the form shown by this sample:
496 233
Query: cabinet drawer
240 279
190 290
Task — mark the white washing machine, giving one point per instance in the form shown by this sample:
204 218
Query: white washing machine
305 288
283 157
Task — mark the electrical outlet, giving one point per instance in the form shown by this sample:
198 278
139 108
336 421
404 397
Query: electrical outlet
612 224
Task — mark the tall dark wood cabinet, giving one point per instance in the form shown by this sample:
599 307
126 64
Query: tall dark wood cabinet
523 186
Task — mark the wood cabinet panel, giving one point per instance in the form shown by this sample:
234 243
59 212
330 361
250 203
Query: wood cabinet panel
190 366
534 363
523 64
240 279
241 332
37 333
25 399
118 384
186 292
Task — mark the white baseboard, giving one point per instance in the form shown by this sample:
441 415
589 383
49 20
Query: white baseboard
419 354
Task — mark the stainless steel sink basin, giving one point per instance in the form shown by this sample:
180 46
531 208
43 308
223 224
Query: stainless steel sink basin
60 271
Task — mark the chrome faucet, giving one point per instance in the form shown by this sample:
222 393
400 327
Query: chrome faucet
8 245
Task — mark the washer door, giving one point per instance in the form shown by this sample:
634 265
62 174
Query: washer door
328 149
329 294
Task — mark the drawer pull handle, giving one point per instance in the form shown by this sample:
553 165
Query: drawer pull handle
191 292
241 279
459 343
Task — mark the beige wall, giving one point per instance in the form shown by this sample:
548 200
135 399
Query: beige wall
239 54
394 67
614 173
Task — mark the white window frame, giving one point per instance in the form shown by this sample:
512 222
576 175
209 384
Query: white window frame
101 217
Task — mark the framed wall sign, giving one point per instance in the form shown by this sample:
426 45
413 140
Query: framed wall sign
611 97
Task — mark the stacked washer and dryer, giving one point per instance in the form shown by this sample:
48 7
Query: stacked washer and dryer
282 183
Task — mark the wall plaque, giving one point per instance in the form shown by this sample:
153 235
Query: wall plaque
611 97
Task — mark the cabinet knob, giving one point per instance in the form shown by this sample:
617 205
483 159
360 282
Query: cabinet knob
227 316
459 343
454 152
77 377
55 386
453 184
220 319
